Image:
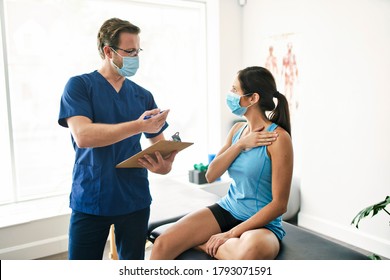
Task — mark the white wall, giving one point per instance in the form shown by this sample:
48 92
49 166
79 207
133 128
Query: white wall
230 61
342 128
35 239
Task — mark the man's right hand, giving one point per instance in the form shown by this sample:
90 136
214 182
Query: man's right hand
155 122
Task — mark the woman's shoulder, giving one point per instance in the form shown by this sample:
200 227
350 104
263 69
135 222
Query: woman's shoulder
236 128
283 139
281 130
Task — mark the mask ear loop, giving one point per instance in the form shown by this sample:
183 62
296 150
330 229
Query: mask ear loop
112 59
251 101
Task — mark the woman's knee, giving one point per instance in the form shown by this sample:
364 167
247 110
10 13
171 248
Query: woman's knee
162 244
257 253
258 247
166 247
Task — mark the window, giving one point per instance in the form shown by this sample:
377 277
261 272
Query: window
6 189
43 52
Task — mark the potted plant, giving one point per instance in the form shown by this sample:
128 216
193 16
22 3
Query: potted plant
374 209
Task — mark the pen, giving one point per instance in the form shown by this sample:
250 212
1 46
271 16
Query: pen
149 116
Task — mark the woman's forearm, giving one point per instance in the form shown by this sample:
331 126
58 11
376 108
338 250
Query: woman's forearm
221 162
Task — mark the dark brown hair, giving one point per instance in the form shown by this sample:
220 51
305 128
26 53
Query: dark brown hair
258 79
111 29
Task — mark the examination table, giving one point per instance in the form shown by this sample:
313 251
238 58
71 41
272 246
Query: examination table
173 198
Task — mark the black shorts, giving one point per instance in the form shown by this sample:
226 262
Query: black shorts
225 220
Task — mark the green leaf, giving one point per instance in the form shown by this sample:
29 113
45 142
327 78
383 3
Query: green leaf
374 257
373 208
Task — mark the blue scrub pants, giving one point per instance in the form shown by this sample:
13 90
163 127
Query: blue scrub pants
88 235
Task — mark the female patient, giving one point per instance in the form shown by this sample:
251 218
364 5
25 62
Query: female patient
246 223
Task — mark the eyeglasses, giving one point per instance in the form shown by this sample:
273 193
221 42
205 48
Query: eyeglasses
132 52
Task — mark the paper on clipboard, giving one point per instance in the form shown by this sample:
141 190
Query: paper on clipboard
165 147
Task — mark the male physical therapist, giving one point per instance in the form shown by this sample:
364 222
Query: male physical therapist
106 113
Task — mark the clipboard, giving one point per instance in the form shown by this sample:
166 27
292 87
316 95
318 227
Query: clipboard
165 147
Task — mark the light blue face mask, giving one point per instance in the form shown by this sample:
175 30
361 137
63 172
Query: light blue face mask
233 102
129 67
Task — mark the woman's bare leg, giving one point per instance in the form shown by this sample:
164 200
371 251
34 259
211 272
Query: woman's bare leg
259 244
190 231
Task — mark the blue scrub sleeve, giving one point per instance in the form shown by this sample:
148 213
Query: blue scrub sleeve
151 135
75 101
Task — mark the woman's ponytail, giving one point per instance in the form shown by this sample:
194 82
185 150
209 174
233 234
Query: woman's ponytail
281 114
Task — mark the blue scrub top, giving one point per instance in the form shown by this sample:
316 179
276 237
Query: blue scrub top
98 187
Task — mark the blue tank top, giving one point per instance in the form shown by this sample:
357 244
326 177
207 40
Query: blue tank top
251 187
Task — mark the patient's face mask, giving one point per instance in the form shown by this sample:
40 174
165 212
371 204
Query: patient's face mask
129 67
233 102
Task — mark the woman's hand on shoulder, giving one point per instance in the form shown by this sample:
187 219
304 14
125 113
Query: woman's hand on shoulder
257 138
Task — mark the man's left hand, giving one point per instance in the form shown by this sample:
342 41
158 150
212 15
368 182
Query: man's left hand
159 165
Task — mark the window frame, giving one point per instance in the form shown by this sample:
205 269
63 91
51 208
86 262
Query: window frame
211 131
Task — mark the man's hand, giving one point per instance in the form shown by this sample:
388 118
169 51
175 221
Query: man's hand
160 165
154 122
